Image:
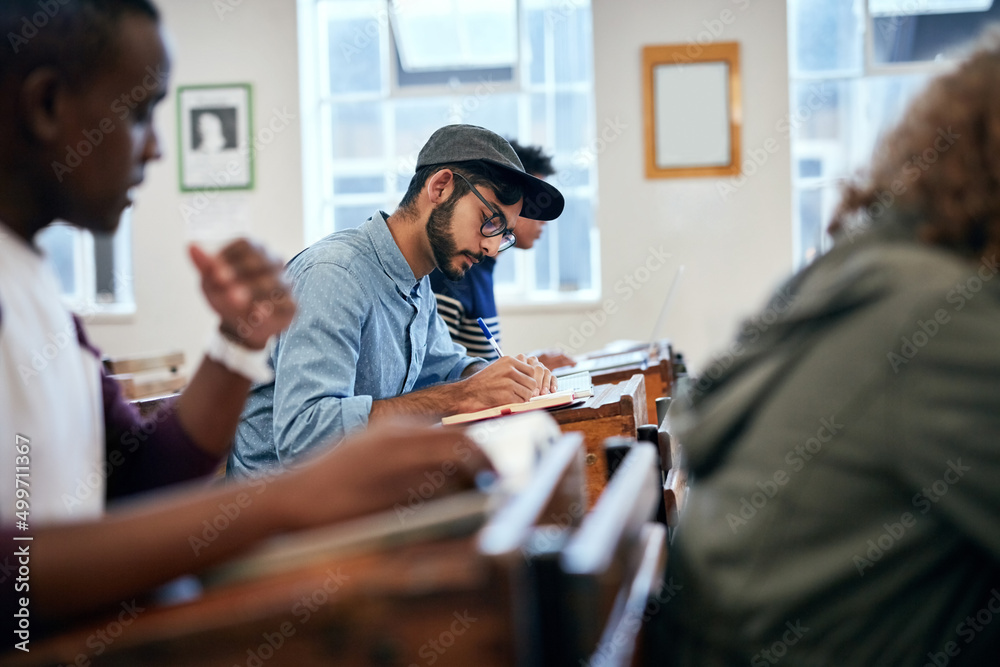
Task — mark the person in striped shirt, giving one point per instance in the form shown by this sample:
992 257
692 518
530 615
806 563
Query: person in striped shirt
460 303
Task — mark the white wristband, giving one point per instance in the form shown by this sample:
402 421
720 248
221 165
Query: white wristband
251 364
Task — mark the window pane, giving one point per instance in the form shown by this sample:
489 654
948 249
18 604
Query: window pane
355 60
349 217
539 130
811 223
346 185
572 126
59 244
536 46
543 248
105 271
817 108
357 130
825 36
905 33
455 34
416 121
570 173
572 34
574 244
451 77
504 272
493 111
403 183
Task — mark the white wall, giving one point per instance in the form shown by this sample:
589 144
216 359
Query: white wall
254 43
734 250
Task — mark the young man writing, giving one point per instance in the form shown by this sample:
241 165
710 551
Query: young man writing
367 342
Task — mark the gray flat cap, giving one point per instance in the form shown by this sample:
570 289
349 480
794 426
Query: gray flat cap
461 143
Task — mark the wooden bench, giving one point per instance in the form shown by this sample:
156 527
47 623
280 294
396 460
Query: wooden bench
147 376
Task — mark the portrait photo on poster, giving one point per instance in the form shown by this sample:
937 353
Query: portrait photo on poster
214 130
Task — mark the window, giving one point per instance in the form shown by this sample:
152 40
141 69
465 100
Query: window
379 77
853 68
94 270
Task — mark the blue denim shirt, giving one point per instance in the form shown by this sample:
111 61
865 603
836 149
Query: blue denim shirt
365 329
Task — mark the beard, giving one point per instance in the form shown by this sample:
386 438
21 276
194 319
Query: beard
443 241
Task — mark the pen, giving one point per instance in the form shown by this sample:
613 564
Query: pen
489 336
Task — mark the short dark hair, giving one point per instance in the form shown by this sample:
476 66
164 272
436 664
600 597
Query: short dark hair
78 37
533 159
476 171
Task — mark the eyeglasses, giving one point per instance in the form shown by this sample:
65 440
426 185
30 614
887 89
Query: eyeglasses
495 225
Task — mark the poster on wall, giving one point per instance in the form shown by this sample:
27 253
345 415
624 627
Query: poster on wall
214 130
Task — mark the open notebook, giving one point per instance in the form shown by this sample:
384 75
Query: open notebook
554 400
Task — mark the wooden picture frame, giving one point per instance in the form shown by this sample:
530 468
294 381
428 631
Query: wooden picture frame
693 109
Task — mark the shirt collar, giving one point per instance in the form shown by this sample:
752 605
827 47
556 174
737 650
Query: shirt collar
389 254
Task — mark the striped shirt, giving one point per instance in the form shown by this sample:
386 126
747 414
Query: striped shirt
461 303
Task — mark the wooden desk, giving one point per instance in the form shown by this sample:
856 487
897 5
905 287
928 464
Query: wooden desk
613 410
657 375
460 599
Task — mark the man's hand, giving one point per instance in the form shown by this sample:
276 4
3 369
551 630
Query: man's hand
506 380
546 382
553 359
379 468
246 286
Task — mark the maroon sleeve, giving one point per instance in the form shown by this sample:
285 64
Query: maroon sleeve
144 453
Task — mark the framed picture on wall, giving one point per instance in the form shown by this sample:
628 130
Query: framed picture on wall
214 136
692 109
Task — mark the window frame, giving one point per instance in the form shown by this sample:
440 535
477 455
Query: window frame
866 69
86 301
320 164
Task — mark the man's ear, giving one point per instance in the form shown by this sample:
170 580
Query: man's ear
42 103
440 185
